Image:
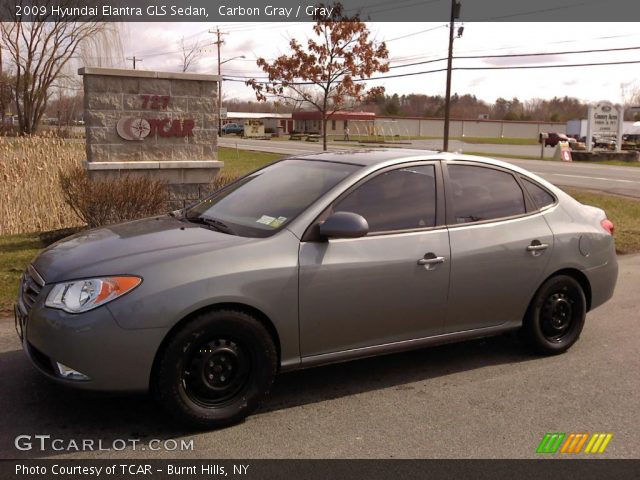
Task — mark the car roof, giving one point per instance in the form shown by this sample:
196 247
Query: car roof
369 156
391 156
382 157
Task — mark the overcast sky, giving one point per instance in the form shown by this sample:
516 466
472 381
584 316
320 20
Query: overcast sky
157 44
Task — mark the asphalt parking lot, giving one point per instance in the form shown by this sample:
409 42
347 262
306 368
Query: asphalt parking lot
479 399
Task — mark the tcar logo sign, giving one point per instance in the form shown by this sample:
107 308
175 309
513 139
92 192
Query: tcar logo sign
137 128
134 128
131 128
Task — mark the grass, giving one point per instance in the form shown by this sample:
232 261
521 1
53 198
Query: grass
241 162
16 251
623 212
618 163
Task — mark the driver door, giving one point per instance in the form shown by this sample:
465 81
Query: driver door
377 289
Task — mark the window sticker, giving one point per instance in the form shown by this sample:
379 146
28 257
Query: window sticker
278 221
265 220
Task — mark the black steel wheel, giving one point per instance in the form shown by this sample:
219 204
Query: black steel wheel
556 315
216 369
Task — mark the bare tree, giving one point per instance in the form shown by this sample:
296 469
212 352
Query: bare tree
38 51
190 54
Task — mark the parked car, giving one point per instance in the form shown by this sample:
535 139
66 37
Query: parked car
553 139
630 142
314 260
577 145
604 142
233 128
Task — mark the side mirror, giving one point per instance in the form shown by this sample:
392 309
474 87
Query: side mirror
344 225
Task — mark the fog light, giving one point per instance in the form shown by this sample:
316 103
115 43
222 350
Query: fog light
70 373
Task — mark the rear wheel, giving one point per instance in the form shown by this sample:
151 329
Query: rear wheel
215 370
556 316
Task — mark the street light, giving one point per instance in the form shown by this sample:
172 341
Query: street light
220 63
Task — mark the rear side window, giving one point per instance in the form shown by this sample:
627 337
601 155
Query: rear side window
481 193
540 196
396 200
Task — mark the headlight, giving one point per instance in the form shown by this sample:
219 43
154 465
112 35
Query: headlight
82 295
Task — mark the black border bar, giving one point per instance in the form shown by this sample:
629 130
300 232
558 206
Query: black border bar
580 469
226 11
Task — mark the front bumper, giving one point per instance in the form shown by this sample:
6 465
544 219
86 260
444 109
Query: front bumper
92 343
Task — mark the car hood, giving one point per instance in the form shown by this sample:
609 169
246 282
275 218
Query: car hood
121 248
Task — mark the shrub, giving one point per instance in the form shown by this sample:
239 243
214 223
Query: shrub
105 201
221 181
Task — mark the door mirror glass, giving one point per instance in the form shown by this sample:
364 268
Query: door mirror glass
344 225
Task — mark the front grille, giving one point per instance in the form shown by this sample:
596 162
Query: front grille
31 286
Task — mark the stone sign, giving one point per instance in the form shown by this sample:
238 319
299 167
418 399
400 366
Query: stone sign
162 124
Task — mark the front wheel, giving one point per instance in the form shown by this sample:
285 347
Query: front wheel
556 316
216 369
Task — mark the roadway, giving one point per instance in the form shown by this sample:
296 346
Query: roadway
618 180
485 398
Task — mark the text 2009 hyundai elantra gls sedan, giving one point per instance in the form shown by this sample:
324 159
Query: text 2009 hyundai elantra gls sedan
313 260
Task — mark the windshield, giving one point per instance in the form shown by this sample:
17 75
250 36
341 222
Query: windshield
264 202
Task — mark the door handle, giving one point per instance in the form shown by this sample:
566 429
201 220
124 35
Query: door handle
536 246
430 259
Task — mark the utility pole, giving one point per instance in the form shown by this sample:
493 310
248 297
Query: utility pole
455 13
134 59
218 43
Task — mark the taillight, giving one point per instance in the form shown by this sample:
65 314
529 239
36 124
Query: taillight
608 226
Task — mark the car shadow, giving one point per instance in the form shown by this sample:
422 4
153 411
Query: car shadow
397 370
33 405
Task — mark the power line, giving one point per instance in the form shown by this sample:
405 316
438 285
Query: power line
544 10
514 55
513 67
416 33
507 55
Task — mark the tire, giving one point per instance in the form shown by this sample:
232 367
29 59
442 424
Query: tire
215 370
555 317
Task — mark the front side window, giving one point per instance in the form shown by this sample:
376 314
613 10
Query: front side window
481 193
262 203
396 200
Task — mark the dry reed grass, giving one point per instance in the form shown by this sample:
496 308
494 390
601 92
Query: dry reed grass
30 195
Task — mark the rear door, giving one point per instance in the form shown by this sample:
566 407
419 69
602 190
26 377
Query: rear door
500 246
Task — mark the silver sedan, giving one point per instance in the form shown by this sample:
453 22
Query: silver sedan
313 260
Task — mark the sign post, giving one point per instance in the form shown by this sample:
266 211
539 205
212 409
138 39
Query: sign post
620 128
589 138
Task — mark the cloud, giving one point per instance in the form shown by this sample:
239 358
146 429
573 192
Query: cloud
476 81
513 61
